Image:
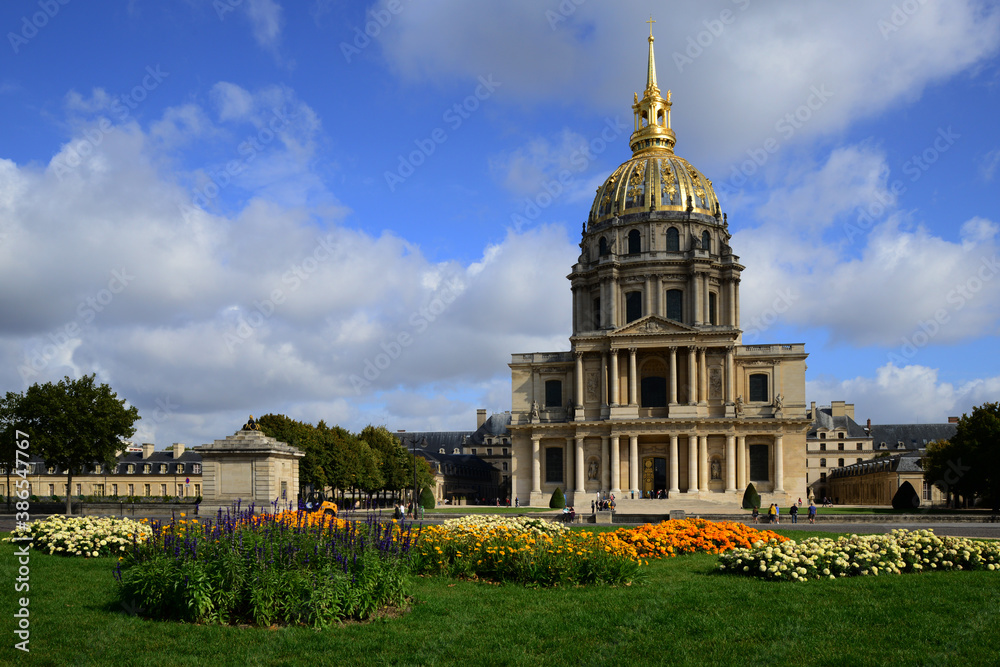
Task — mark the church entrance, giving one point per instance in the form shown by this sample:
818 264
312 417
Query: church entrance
654 477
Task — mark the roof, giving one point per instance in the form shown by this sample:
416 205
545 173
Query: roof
496 425
913 436
825 420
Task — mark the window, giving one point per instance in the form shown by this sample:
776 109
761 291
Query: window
927 490
758 387
553 393
489 451
840 435
822 446
51 470
284 490
79 490
859 460
822 436
553 464
713 307
147 468
131 489
131 468
675 305
822 477
840 446
706 241
114 489
505 466
180 490
602 247
822 463
146 489
653 392
840 463
163 468
597 313
673 240
163 489
98 489
180 468
52 489
634 246
197 489
196 468
474 453
859 446
441 450
97 469
633 306
505 451
456 450
760 466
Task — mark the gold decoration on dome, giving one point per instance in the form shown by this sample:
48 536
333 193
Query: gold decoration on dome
251 425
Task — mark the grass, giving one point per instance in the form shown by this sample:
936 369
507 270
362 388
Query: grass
683 612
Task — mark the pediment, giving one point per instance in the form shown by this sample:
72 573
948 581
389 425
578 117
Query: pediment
653 325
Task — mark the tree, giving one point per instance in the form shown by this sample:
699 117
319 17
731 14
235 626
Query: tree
906 497
74 423
558 500
8 428
969 463
427 499
397 474
314 468
751 498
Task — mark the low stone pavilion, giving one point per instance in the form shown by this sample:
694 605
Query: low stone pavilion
251 468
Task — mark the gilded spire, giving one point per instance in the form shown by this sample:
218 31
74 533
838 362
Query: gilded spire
652 113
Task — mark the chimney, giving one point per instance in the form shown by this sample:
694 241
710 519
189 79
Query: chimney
480 417
849 409
952 420
837 409
812 410
869 427
147 449
178 449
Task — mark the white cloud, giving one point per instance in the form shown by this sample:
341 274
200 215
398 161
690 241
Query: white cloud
265 17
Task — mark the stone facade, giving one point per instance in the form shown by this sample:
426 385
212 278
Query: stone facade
657 394
834 440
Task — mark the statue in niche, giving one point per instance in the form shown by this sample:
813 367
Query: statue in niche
716 469
533 415
778 401
739 405
592 469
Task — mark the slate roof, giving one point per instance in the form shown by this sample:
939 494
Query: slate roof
825 420
495 426
913 436
121 467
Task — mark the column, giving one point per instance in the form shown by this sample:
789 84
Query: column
605 469
568 466
695 298
581 481
673 465
732 303
741 441
702 376
657 296
648 296
692 377
729 375
614 378
737 289
604 380
779 466
705 309
578 384
673 375
632 380
692 463
703 462
613 290
616 476
536 465
633 463
730 462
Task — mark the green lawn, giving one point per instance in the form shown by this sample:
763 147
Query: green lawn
683 612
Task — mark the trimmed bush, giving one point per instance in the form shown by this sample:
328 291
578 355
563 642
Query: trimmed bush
427 499
751 498
906 497
558 500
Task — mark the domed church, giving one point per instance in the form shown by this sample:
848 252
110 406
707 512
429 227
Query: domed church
658 397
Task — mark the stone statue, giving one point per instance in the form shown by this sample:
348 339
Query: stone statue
739 406
592 470
533 415
716 469
778 400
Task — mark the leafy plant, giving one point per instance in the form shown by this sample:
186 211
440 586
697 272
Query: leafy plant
427 499
751 498
558 500
905 498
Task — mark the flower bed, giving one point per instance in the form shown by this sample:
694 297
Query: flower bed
670 538
83 536
898 552
291 568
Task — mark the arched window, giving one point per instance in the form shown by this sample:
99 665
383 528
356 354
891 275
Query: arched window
653 392
634 246
602 247
597 313
758 387
633 306
713 308
673 240
706 241
553 393
675 305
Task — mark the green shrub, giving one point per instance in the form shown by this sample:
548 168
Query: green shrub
427 499
751 498
558 500
906 497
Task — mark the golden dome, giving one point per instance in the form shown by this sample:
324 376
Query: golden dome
654 178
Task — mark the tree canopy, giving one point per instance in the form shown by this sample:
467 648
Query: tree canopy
969 464
71 424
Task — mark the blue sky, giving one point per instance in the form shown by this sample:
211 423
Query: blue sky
357 211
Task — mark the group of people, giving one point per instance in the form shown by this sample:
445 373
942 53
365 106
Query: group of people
774 512
602 504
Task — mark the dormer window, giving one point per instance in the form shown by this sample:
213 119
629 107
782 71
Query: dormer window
180 468
441 450
196 468
131 468
147 468
163 468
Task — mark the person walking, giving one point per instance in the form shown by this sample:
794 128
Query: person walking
771 515
777 513
794 511
812 511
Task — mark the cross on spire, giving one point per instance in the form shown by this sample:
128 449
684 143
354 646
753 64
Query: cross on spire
650 22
